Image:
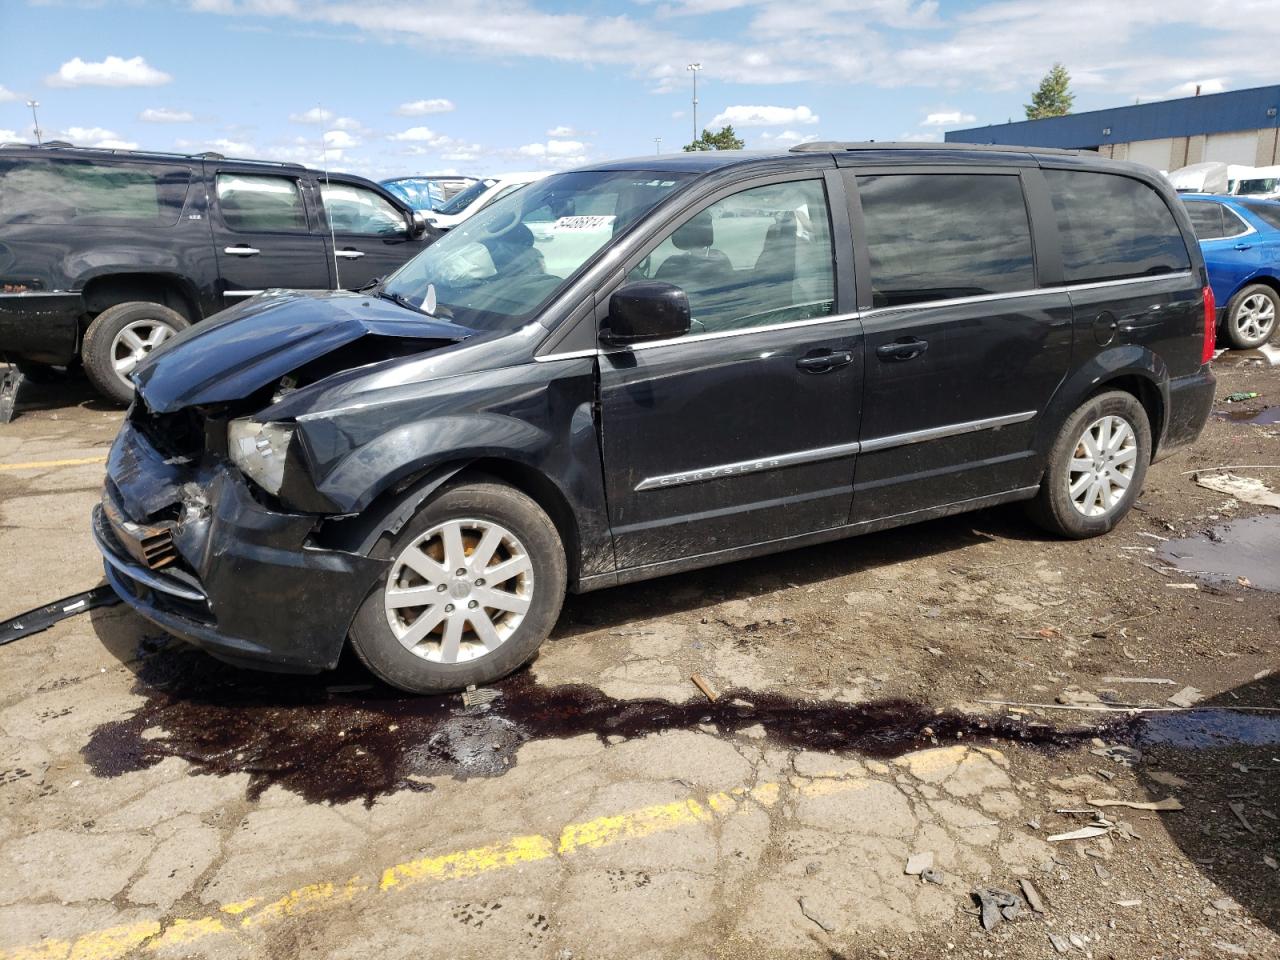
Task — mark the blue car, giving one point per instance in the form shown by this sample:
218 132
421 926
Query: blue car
1240 239
428 194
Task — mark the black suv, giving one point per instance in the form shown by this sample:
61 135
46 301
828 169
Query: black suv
647 366
105 254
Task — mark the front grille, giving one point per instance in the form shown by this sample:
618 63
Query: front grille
148 543
177 434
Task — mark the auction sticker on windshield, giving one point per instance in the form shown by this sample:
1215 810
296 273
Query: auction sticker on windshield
594 222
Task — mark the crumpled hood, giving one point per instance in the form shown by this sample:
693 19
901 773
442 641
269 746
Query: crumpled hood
263 339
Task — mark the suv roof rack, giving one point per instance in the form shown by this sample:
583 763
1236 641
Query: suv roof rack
843 146
206 155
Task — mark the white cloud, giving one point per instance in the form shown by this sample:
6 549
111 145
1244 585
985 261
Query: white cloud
222 145
553 148
952 118
746 116
340 140
420 108
918 136
788 137
314 115
562 131
1188 89
418 135
165 115
6 94
348 123
11 136
111 72
95 137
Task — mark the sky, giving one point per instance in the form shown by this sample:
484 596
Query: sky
397 87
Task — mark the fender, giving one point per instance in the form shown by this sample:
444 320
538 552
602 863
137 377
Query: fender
1113 363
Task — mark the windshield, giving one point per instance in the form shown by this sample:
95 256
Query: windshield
497 268
420 193
1267 185
466 198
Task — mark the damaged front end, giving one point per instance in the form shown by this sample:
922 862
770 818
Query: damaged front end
209 515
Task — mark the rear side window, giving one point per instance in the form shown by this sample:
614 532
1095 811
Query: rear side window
1267 212
1113 227
1206 219
86 193
261 204
945 235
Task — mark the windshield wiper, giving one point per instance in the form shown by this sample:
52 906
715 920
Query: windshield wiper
400 300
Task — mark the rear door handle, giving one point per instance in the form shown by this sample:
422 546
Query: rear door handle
1244 246
902 350
350 254
243 250
824 362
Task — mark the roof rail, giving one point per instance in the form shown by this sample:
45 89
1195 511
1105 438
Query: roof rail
843 146
113 151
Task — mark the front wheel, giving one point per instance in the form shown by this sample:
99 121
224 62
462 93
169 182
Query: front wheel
474 586
1251 316
1096 467
120 338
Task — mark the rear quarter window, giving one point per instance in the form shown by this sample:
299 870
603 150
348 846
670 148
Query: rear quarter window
1114 227
1268 213
89 193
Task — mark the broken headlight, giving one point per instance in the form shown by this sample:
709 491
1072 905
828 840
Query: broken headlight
260 449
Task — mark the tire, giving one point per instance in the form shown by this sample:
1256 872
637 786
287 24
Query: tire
527 603
1095 509
1251 316
110 356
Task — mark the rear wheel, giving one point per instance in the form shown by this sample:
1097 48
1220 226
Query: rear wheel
1096 467
120 338
474 586
1251 316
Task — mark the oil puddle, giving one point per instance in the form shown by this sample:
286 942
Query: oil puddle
1242 548
1264 417
1208 729
333 742
1268 355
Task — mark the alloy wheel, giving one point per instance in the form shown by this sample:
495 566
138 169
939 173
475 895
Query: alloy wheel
459 591
132 344
1102 466
1255 318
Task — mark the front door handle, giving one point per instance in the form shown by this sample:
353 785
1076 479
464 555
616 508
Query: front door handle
243 250
350 254
902 350
824 362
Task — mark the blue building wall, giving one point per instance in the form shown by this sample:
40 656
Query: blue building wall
1212 113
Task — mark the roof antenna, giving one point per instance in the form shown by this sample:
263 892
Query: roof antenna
324 206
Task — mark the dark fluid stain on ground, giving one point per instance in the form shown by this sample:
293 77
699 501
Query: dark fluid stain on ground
1263 417
1243 548
1209 728
333 741
1246 358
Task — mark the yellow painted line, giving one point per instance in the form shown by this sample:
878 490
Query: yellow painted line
49 464
149 936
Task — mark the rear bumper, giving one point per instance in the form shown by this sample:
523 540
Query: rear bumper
245 585
40 327
1190 401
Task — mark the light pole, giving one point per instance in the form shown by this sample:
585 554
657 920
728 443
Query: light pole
657 144
694 68
35 120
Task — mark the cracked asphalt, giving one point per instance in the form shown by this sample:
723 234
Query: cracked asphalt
877 703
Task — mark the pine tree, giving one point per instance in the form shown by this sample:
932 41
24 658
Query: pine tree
726 139
1053 98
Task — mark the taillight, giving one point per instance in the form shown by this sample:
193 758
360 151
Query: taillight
1210 325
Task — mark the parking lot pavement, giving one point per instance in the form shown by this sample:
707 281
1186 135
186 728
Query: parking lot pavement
156 803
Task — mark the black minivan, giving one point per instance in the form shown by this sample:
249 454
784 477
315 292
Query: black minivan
651 365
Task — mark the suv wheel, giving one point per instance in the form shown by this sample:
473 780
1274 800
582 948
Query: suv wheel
120 338
474 586
1251 316
1096 467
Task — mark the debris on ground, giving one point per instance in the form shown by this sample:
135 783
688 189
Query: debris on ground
931 875
1160 680
997 905
1186 697
471 697
11 381
1119 753
918 863
42 618
1059 943
824 922
1269 861
1169 803
1032 896
1100 828
705 687
1238 810
1248 489
1240 396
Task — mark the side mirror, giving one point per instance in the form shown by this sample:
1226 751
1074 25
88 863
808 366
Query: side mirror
417 224
646 310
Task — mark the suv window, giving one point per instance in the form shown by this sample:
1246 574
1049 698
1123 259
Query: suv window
1113 227
1232 225
1267 212
1206 219
758 257
353 209
84 193
943 235
261 204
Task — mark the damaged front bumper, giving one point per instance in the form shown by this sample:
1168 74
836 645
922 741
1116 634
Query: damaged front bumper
189 547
